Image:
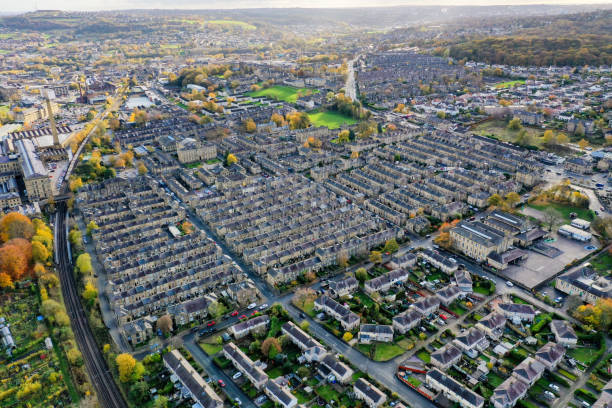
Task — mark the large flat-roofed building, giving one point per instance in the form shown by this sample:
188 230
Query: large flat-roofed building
572 232
191 381
35 174
478 240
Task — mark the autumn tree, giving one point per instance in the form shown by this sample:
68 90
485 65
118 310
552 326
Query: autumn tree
583 144
361 274
91 226
443 239
512 199
249 125
5 280
549 138
495 200
90 294
75 358
83 264
303 296
270 347
277 119
347 336
39 252
343 136
231 159
598 315
24 246
391 246
164 324
375 257
562 138
187 227
75 183
342 260
13 262
15 225
515 124
126 365
215 309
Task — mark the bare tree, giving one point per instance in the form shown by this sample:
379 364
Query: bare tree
552 218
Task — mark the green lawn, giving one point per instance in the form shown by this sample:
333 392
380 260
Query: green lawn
424 355
567 375
414 381
309 308
494 379
602 263
509 84
387 351
585 355
275 372
518 300
332 120
457 308
497 129
327 393
211 349
281 92
566 210
236 23
365 299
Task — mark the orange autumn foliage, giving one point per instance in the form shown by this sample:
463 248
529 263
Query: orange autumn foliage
12 261
15 225
25 246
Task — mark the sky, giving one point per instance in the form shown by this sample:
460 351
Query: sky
91 5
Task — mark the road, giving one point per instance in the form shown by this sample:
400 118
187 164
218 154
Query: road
107 391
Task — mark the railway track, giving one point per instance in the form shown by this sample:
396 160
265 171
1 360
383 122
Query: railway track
109 395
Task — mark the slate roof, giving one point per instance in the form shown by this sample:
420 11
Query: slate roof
508 392
369 390
528 369
456 387
563 329
446 354
550 353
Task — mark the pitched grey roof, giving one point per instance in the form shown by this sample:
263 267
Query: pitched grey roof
563 329
528 370
508 392
446 354
456 387
368 389
550 353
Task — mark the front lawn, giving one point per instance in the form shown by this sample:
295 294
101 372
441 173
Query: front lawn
424 355
567 374
585 355
602 263
327 393
330 119
494 379
387 351
211 349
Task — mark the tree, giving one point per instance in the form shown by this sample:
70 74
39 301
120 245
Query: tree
361 274
573 302
562 138
347 336
231 159
512 199
443 239
83 263
304 325
250 126
515 124
583 144
303 372
139 392
50 280
598 315
343 260
187 227
13 262
270 347
215 309
277 119
24 246
549 137
126 365
552 218
5 280
495 200
391 246
74 357
298 120
354 154
164 324
142 169
90 293
343 136
39 253
303 296
15 225
91 226
161 402
75 184
375 257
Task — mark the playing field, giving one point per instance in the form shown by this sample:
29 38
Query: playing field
281 92
332 120
510 84
242 24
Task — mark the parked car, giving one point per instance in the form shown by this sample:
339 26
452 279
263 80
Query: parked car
211 323
509 284
235 313
242 317
221 383
237 375
262 307
252 306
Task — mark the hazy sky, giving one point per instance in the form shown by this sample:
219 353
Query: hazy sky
28 5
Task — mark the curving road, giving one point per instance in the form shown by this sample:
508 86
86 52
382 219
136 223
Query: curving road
107 391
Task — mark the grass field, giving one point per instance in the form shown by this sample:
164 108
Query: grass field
509 84
566 210
332 120
498 130
424 355
211 349
242 24
387 351
281 92
585 355
602 263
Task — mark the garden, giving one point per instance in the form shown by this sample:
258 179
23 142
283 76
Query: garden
330 119
281 92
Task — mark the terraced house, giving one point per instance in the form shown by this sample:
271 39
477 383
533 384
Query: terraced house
150 269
